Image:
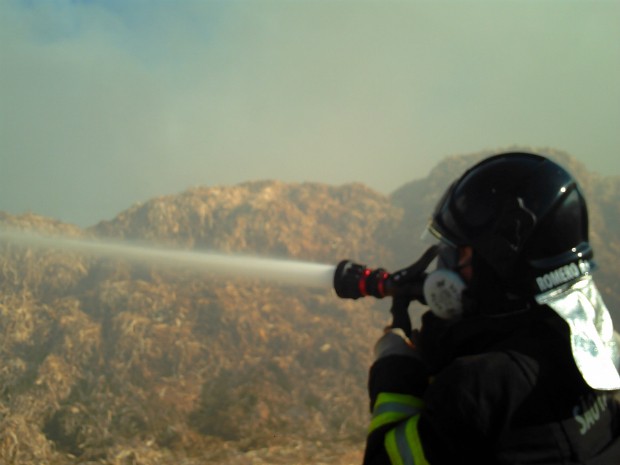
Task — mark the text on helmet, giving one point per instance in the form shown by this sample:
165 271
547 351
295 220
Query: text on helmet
558 276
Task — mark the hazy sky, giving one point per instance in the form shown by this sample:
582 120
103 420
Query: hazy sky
104 103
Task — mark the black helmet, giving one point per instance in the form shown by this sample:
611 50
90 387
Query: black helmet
524 216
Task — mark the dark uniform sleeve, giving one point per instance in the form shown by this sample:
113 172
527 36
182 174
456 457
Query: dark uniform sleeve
396 384
445 422
466 407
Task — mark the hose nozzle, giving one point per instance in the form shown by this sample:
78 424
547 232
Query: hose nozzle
352 281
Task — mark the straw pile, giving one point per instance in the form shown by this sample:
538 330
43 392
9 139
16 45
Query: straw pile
108 362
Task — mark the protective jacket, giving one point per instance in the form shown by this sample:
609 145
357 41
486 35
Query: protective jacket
488 390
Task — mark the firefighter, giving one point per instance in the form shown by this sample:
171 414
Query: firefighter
516 361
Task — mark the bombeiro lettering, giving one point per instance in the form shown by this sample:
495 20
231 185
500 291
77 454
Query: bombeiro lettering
558 276
589 412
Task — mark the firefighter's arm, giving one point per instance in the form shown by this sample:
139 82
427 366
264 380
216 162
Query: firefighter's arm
397 381
398 378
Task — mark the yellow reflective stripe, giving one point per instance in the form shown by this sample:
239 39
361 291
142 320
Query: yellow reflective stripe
392 397
392 448
391 407
384 419
403 444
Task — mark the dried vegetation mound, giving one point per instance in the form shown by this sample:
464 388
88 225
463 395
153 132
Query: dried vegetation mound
104 361
110 362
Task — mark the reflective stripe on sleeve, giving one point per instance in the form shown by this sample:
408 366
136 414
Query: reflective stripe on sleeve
390 408
403 444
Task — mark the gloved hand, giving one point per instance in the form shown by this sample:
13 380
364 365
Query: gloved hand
406 286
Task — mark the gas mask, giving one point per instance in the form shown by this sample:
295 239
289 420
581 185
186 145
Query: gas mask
443 287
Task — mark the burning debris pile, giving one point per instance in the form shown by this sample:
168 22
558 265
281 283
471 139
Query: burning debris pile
104 361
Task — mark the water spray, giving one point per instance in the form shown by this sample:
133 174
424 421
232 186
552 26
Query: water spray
350 280
306 274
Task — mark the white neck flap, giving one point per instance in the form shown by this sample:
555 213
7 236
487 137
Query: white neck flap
595 348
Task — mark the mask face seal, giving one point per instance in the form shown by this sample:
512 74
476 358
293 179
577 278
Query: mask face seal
443 288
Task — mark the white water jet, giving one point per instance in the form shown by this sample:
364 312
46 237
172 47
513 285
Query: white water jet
299 273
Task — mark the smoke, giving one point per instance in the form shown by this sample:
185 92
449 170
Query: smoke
109 103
